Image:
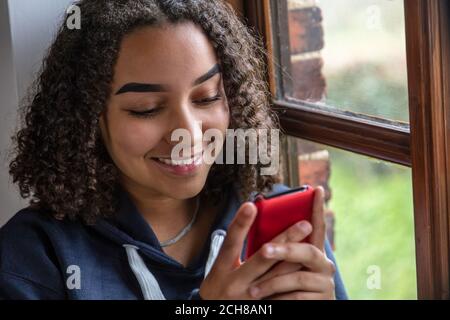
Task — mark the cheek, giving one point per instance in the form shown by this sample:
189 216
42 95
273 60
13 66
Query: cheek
134 138
219 119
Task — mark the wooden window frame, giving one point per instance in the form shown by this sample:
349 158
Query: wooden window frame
424 146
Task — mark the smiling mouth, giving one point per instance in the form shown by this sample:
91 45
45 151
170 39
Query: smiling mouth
196 160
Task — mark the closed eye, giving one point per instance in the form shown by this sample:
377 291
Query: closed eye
152 112
209 100
144 114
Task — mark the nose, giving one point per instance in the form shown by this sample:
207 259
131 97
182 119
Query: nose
185 130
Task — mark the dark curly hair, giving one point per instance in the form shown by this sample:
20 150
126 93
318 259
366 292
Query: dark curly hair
58 156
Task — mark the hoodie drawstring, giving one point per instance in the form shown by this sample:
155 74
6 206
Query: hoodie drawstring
149 285
147 281
217 238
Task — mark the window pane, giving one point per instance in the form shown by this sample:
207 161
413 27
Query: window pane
349 55
369 219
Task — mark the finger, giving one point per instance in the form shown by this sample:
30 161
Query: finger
231 249
298 295
280 269
306 254
318 220
294 233
259 263
297 281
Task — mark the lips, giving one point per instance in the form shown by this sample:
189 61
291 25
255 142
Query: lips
184 168
196 159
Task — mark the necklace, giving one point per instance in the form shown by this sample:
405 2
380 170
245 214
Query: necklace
186 229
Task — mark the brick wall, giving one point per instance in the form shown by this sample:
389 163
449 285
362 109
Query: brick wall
306 40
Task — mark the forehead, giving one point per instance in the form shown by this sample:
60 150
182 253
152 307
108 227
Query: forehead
169 54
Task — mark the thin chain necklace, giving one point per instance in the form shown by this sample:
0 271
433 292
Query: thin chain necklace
186 229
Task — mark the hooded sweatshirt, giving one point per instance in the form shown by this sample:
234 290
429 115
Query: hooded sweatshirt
118 258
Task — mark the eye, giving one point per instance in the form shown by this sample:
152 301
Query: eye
144 114
210 100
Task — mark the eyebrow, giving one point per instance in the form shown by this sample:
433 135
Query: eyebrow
152 87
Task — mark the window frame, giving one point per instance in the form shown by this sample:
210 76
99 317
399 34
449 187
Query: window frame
425 146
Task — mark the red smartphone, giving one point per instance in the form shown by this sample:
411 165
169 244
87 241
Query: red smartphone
278 212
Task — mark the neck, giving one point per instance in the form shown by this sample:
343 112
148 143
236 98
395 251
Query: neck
166 215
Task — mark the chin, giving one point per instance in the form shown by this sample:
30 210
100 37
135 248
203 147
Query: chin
183 190
184 193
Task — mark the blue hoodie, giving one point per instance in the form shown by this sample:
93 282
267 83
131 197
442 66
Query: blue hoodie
117 258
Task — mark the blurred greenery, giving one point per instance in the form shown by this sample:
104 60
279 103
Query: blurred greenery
372 201
378 96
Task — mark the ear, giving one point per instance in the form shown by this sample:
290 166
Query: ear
103 125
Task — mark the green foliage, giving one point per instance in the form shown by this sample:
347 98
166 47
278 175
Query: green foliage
359 88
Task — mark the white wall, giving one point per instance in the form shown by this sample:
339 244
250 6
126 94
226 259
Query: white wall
8 104
27 28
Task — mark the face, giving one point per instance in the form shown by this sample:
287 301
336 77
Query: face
165 78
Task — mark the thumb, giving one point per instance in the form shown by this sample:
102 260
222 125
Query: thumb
230 253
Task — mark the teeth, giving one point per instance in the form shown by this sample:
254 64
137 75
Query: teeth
196 160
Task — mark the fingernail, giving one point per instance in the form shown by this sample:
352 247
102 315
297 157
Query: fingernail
270 250
304 226
248 211
254 291
280 250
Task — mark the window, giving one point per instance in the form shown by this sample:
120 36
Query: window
358 81
369 219
352 62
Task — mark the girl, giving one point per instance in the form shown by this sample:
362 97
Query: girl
112 214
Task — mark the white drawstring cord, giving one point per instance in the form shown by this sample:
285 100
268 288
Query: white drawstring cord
149 285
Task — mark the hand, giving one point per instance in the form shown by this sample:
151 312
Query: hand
290 279
229 278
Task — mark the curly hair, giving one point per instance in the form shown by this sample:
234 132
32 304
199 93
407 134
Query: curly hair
58 157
